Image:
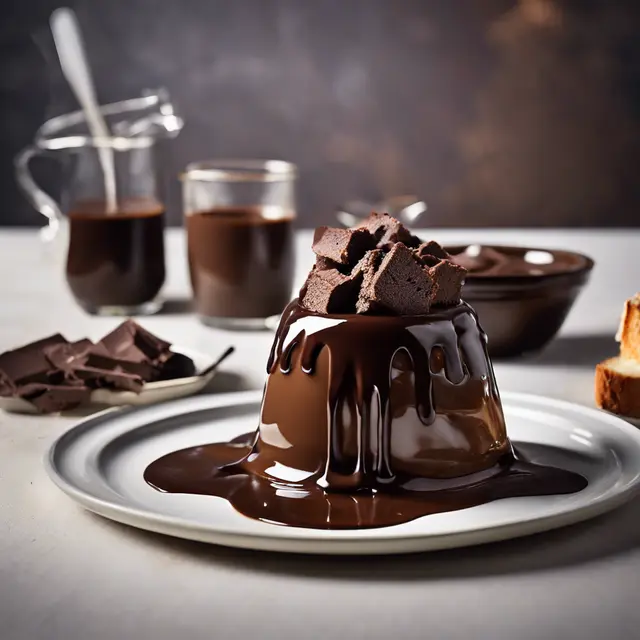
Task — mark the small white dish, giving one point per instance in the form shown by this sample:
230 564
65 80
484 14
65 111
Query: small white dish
100 464
151 393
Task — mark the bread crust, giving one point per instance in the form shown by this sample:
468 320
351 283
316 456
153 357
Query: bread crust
617 392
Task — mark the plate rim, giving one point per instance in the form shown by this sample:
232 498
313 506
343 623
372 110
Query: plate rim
328 543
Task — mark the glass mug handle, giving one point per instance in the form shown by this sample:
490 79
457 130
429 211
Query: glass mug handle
40 200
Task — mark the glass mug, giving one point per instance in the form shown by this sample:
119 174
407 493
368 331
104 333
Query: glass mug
239 218
114 223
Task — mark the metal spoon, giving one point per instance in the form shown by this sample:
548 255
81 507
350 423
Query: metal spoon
73 60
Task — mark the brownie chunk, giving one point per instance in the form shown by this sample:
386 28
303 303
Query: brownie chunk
344 246
432 248
366 269
387 231
330 292
448 278
322 264
401 284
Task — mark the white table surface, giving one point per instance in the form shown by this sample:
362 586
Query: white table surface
66 574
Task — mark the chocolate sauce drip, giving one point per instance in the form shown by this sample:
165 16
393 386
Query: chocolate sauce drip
363 350
368 421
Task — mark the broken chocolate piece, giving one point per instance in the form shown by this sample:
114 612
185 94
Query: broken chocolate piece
344 246
52 399
144 370
401 284
330 292
130 341
448 278
54 374
68 354
28 364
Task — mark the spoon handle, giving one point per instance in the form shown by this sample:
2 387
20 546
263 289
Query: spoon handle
73 60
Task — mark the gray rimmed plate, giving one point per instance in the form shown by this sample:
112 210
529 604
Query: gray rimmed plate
100 464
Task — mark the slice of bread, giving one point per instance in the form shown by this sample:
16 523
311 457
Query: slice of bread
618 386
629 331
618 379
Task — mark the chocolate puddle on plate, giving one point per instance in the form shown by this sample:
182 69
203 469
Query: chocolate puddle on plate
213 470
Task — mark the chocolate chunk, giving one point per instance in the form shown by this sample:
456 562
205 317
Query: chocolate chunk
330 292
54 374
52 399
344 246
7 388
28 363
115 379
130 341
400 285
448 278
66 355
144 370
387 231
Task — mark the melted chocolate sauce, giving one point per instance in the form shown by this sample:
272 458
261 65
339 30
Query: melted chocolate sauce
366 422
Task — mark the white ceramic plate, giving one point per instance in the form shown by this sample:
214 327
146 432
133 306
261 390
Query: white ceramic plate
151 393
100 464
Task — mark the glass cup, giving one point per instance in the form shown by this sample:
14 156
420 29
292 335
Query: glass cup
239 217
114 223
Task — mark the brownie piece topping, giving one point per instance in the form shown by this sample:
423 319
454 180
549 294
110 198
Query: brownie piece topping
344 246
448 278
400 284
387 230
330 291
379 267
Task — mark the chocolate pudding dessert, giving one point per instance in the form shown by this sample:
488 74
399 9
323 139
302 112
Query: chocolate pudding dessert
241 261
116 260
380 406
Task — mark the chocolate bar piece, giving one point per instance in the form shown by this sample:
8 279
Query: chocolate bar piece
54 374
68 354
28 363
130 341
52 399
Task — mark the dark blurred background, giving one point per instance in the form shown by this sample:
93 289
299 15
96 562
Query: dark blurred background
496 112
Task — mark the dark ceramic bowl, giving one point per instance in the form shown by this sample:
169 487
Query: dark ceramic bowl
521 313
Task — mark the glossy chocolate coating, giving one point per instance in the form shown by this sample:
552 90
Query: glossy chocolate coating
367 421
